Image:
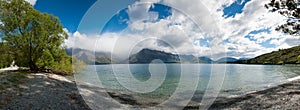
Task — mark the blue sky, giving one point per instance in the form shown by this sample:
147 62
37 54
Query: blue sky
119 21
234 8
72 13
246 25
69 12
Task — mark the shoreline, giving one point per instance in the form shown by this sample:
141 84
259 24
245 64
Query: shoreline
22 90
9 69
270 98
231 102
290 80
276 97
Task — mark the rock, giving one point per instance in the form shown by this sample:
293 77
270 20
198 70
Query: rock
128 99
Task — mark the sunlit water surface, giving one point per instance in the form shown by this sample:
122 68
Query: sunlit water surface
235 79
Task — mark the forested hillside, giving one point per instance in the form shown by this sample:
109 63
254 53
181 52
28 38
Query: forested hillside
282 56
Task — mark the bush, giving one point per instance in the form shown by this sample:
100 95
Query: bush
63 67
280 63
78 65
68 66
299 59
46 60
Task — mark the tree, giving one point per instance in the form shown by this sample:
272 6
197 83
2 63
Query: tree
299 59
35 38
5 56
290 9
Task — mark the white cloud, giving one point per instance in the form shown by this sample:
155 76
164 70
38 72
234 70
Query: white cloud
254 17
183 35
140 12
163 34
32 2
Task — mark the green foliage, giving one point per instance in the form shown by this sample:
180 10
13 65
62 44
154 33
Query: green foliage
289 9
284 56
5 56
78 65
63 66
46 60
35 39
280 63
299 59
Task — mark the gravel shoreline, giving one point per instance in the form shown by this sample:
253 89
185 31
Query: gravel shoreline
44 91
285 96
50 91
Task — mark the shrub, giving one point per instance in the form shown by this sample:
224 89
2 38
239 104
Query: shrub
280 62
78 65
299 59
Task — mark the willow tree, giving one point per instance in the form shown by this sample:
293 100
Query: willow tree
291 10
5 56
35 38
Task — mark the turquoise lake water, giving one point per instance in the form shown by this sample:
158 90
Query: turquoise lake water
234 79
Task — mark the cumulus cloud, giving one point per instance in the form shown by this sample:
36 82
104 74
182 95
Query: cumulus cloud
138 12
129 42
32 2
191 21
254 17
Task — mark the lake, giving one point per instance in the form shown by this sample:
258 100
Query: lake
160 81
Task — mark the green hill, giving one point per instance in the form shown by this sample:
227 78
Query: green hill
283 56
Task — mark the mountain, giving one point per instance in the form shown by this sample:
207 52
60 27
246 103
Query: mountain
89 57
241 59
227 60
188 59
147 55
205 60
282 56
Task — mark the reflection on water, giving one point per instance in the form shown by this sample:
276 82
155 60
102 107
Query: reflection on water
239 79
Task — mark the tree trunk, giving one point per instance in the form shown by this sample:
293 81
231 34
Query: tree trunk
33 67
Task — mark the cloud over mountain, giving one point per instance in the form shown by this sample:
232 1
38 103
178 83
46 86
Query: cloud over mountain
200 28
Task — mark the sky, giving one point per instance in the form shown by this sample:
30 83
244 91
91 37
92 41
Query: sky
213 28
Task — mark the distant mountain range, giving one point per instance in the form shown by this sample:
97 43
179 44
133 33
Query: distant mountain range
147 55
283 56
226 60
205 60
90 57
142 57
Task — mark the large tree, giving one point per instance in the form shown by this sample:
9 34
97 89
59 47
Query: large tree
35 38
5 56
291 10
